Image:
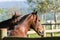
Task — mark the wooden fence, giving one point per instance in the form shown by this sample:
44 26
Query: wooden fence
3 32
52 30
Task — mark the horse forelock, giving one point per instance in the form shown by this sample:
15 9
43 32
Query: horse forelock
34 13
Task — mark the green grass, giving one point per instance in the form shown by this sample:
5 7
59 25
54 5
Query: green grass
34 35
47 35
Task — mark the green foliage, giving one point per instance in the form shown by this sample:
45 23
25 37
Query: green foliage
29 1
45 6
4 14
1 11
41 6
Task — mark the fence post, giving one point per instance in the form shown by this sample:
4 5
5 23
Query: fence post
52 27
0 34
44 31
3 32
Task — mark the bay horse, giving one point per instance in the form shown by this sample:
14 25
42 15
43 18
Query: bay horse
26 23
10 23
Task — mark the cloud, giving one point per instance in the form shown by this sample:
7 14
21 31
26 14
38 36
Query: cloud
11 0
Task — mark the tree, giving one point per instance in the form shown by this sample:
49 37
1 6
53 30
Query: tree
42 6
46 6
56 6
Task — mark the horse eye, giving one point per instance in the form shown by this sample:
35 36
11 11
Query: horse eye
39 20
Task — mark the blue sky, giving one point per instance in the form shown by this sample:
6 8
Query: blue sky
10 0
13 3
22 4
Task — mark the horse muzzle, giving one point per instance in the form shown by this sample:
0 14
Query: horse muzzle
41 32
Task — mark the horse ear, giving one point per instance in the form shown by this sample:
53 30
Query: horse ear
15 13
35 12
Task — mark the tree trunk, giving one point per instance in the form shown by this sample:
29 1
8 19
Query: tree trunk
55 18
45 17
42 17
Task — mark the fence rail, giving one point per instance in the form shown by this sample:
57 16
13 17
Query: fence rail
49 31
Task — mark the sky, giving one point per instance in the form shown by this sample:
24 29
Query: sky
22 4
10 0
13 3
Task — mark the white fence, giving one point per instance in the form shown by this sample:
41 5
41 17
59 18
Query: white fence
52 31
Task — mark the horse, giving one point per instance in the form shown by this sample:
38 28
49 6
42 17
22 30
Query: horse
27 22
10 23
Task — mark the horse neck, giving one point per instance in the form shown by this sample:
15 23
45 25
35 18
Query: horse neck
26 23
23 28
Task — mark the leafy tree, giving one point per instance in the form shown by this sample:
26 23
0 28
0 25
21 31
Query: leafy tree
45 6
42 6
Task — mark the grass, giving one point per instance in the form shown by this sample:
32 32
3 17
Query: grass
34 35
47 35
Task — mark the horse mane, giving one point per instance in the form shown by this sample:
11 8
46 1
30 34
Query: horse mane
23 18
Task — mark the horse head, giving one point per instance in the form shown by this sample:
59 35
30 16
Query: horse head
16 17
36 24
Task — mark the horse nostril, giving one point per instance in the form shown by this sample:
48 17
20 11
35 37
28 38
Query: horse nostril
41 33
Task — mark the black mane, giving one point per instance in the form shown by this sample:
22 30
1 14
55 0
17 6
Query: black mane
22 19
